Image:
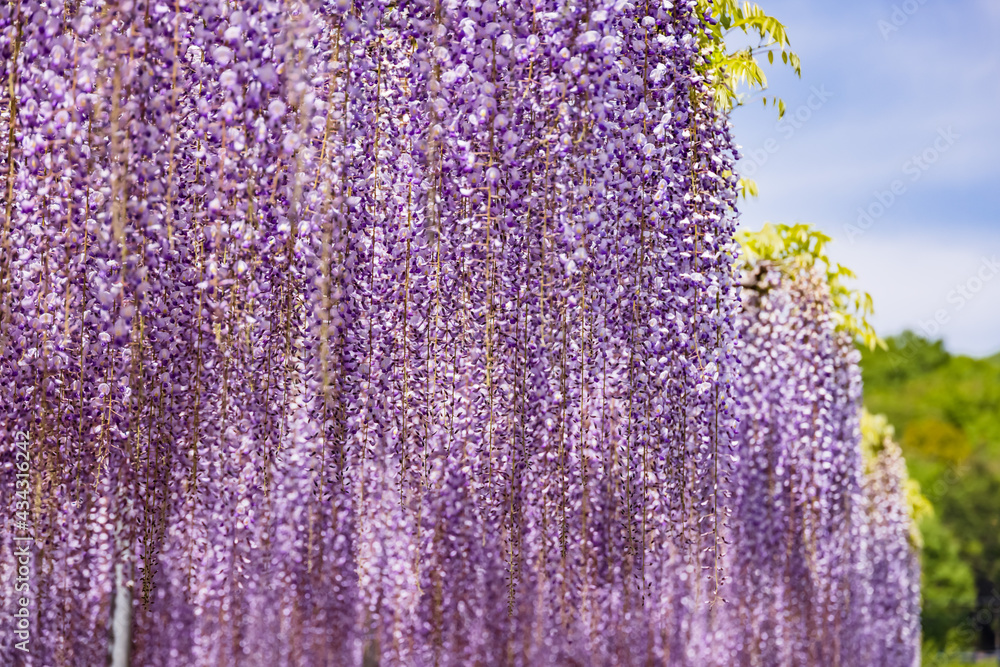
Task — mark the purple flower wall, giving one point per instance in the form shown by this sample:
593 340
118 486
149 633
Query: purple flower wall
822 568
401 333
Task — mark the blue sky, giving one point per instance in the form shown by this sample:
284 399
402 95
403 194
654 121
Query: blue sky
890 145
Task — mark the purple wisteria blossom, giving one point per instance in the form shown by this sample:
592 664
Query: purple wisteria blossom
822 571
356 332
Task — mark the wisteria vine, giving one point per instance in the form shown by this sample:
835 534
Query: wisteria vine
400 333
824 571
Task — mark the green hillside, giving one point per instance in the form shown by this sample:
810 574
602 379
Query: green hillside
946 410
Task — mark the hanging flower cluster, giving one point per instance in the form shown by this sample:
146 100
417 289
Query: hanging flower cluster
888 565
823 572
355 330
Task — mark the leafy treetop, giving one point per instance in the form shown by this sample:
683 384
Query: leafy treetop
800 246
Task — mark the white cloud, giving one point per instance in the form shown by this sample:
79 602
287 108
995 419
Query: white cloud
938 288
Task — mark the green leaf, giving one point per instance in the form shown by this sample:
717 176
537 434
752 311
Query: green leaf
800 246
732 71
748 188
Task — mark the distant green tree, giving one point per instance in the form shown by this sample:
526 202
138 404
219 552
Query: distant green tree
949 590
947 410
937 440
906 354
914 378
972 510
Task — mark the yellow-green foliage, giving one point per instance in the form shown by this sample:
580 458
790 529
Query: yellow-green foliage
802 247
728 70
937 440
877 447
731 69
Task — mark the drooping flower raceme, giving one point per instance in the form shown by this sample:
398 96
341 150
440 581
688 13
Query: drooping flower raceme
398 330
888 569
354 330
813 581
